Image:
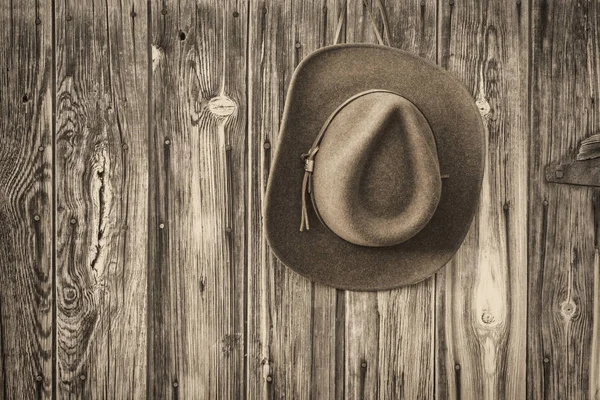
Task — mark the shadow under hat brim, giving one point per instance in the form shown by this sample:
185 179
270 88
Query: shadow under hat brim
322 82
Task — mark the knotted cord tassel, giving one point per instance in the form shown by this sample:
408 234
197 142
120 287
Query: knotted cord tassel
304 220
309 164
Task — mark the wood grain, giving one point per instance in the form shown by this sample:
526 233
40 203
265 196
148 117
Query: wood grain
482 294
389 346
26 271
101 201
564 220
198 169
291 322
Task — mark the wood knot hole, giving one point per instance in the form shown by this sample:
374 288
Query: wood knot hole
222 106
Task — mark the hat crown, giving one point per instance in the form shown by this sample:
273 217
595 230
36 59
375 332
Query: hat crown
376 179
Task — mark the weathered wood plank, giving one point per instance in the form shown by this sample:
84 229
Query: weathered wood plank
389 334
198 190
564 220
26 272
291 322
482 293
101 200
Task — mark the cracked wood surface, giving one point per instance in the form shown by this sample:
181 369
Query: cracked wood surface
136 139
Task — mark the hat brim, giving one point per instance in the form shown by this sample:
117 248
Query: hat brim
323 81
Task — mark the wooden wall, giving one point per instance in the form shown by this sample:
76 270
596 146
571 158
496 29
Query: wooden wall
136 139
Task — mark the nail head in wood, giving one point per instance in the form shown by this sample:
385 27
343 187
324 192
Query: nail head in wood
236 14
82 377
559 174
39 378
267 145
41 149
269 378
228 229
73 221
38 21
36 217
546 360
451 2
161 226
133 14
175 384
125 147
167 142
164 11
228 147
545 202
68 18
264 10
298 45
363 365
457 366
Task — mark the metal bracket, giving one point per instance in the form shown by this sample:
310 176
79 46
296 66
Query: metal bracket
582 173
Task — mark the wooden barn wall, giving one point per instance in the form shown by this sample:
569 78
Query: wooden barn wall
136 139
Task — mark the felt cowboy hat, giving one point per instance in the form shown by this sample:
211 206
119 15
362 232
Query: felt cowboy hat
377 171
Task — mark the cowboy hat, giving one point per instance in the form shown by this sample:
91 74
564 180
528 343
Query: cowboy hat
377 171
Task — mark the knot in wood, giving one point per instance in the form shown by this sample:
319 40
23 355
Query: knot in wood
221 106
69 294
487 318
567 308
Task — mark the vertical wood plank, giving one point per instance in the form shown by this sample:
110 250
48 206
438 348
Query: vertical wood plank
389 334
26 277
198 190
564 220
101 200
482 293
291 322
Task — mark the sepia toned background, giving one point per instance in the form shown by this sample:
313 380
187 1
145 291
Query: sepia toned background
135 144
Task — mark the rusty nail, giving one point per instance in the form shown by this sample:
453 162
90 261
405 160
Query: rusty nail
236 14
36 217
559 174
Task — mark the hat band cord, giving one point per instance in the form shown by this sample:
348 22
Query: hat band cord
382 40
